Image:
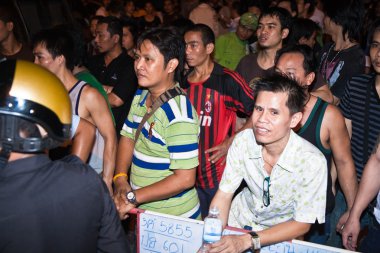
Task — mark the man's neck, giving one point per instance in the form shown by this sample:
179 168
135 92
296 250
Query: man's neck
18 156
341 42
10 46
202 72
112 54
266 57
67 78
307 109
165 85
272 152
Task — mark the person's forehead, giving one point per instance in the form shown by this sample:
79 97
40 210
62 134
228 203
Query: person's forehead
269 19
293 56
193 36
273 100
376 35
102 26
147 47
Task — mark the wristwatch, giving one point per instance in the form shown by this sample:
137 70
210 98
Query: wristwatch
131 197
255 241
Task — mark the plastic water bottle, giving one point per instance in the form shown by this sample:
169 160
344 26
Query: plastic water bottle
212 230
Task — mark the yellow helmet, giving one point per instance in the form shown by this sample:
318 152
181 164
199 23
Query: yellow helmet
30 92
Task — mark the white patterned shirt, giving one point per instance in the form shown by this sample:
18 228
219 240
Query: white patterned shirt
298 183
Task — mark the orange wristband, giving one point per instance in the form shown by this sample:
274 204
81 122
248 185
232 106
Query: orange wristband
119 175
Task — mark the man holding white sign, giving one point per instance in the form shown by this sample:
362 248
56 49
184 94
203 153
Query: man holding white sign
286 175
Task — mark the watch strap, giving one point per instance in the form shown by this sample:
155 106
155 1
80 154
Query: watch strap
255 241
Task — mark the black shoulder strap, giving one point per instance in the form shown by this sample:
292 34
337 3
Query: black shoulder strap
162 99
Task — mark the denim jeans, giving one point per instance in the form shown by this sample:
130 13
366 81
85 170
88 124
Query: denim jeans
205 197
335 238
319 233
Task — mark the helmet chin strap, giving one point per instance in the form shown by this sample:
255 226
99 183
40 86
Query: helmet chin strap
4 154
10 140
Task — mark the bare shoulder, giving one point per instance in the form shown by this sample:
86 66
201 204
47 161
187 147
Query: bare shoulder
333 117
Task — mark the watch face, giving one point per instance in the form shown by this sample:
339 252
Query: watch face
130 195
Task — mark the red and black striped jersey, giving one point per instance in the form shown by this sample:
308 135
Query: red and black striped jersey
217 100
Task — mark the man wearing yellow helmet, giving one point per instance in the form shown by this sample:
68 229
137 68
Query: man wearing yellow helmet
47 206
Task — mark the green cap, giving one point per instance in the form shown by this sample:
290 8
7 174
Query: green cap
249 20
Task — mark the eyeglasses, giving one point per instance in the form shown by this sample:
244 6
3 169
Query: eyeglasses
266 195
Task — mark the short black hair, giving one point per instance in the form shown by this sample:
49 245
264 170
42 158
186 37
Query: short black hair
132 27
375 27
207 34
57 41
349 14
282 14
278 83
302 28
170 44
293 5
309 61
114 26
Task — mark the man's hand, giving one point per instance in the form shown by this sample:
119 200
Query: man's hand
350 233
120 197
220 151
123 206
230 244
342 221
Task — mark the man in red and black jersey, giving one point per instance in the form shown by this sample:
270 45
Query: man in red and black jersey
218 94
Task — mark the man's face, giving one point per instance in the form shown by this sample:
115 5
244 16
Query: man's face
43 58
271 118
374 51
127 40
149 66
93 24
269 32
103 39
287 6
4 31
310 41
168 7
243 32
291 64
329 25
196 52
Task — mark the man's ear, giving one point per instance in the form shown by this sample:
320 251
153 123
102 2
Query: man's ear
9 26
210 48
284 33
296 118
116 38
310 78
61 59
172 65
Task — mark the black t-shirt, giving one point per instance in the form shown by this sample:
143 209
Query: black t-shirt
121 76
25 54
337 67
61 206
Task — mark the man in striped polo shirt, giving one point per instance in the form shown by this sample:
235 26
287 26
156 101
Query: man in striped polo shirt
360 106
164 156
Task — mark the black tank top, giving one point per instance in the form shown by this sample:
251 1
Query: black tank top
311 131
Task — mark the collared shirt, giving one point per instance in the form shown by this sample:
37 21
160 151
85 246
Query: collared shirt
297 183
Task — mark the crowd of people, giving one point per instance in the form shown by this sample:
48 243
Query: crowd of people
266 110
